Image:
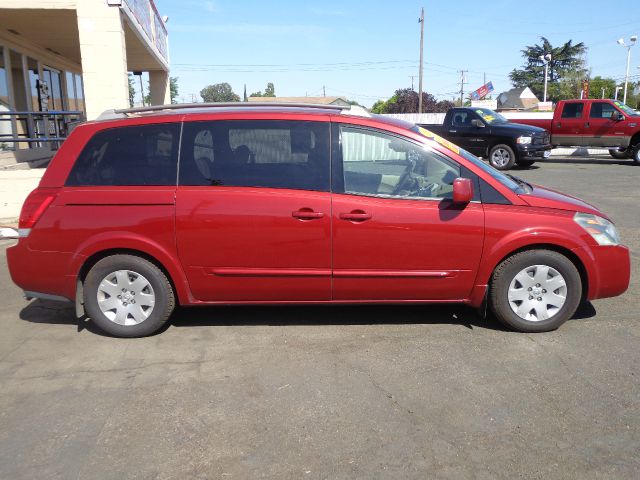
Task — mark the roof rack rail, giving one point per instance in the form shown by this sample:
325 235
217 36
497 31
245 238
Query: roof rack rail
178 106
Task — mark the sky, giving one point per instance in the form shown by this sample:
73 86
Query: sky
365 50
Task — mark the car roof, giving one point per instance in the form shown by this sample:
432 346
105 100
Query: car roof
197 109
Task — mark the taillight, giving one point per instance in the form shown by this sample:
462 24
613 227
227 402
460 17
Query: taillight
34 206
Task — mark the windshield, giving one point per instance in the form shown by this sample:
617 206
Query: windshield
626 109
491 117
512 183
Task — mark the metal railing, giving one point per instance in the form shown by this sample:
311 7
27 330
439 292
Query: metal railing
37 128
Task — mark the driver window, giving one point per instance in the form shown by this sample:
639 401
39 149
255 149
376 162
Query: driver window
378 164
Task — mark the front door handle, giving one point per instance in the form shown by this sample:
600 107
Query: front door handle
586 125
558 124
306 214
355 216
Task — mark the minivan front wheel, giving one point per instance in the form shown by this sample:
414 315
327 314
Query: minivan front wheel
502 157
535 291
128 296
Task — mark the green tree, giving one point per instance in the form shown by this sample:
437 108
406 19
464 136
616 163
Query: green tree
598 84
567 64
378 107
173 91
219 92
406 100
270 91
132 90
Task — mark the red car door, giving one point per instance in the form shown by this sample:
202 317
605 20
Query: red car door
603 128
253 211
396 234
568 129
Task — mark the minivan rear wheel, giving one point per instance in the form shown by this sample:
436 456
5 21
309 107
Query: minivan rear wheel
535 291
128 296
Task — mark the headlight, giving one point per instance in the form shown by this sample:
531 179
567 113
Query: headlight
523 140
602 230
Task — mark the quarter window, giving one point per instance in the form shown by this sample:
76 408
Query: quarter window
572 110
261 153
375 163
136 155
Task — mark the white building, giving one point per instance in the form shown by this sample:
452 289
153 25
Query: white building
73 56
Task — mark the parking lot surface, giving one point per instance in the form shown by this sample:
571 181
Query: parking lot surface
333 392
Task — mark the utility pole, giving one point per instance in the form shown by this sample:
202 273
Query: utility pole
412 77
421 21
462 82
324 92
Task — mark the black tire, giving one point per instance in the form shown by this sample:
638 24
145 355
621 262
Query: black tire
507 271
619 153
635 155
157 286
502 157
525 163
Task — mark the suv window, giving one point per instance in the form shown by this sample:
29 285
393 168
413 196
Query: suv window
256 153
135 155
602 110
376 163
572 110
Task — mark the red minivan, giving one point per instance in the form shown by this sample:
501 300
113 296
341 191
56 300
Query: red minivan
281 204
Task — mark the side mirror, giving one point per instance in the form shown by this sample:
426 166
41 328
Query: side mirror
477 123
618 116
462 191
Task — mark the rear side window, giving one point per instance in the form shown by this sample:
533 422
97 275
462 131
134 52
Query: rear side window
572 110
136 155
256 153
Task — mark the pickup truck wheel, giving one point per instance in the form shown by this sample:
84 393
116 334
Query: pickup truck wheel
619 153
535 291
128 296
635 156
502 157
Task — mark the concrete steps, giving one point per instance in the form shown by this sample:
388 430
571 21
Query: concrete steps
25 159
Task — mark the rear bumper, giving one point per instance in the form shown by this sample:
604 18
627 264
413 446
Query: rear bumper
42 272
608 270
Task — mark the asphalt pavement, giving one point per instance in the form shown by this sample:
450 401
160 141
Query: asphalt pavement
332 392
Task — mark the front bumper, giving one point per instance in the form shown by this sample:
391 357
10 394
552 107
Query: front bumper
608 270
534 151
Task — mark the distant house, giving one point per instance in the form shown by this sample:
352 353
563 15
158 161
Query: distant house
319 100
517 99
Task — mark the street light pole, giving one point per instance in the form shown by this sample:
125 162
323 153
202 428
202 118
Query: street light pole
546 58
421 21
632 41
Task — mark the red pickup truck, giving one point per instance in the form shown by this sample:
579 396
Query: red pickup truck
594 123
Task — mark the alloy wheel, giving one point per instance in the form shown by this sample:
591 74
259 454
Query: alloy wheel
500 157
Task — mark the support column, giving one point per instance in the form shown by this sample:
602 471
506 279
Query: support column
159 87
104 57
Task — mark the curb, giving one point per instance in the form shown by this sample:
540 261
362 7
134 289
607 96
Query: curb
578 152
